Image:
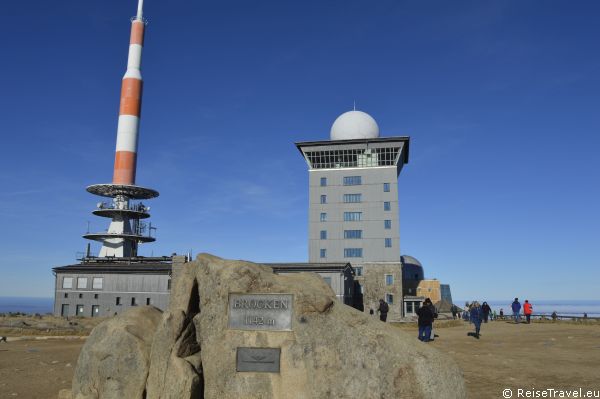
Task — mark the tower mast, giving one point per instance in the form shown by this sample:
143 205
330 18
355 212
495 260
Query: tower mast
126 230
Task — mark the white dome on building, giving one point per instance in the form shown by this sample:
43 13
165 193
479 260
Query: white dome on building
354 125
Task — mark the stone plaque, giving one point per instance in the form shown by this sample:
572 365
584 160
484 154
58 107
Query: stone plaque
272 312
264 360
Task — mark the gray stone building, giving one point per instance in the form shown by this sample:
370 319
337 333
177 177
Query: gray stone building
99 287
353 205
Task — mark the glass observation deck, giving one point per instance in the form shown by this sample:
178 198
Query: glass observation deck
353 158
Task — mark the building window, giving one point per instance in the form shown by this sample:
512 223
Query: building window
389 298
352 181
97 283
358 270
323 217
387 224
323 234
388 242
169 285
352 198
387 206
79 310
67 282
323 253
323 199
327 280
80 296
352 216
389 279
118 301
353 253
95 296
386 187
148 301
409 307
81 282
323 181
352 234
66 295
133 301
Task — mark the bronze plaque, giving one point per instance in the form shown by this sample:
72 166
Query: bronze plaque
261 360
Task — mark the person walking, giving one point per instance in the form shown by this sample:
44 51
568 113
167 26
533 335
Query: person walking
383 310
425 322
454 310
476 316
516 308
494 315
527 310
485 308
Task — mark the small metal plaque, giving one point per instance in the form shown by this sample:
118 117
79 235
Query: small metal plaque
262 360
272 312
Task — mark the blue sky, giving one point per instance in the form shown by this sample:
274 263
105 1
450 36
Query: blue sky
500 196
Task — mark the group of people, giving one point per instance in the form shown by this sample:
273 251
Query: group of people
527 310
474 312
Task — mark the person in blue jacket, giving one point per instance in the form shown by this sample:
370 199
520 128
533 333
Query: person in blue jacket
516 308
476 315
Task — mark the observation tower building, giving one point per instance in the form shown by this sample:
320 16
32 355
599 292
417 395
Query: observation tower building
353 205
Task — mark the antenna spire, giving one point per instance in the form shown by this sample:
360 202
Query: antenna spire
140 11
355 105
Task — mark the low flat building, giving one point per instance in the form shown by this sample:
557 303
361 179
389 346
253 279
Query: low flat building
107 286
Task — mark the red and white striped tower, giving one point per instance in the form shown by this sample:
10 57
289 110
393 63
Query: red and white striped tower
126 231
131 105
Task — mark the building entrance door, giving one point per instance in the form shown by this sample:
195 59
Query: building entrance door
79 310
64 311
95 310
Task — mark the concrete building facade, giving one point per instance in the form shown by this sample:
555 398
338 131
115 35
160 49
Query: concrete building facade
353 205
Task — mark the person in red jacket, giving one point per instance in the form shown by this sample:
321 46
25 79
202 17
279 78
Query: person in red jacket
527 310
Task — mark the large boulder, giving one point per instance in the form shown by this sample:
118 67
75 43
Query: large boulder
115 359
331 350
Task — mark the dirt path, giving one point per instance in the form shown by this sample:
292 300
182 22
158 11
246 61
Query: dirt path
540 355
37 369
507 356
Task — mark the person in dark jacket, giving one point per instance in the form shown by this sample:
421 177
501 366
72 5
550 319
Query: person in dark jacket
476 317
516 308
485 308
426 316
454 310
383 310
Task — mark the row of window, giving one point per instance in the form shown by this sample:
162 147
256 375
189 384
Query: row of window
353 252
82 282
354 181
97 283
354 235
95 309
349 234
355 216
66 296
352 158
348 199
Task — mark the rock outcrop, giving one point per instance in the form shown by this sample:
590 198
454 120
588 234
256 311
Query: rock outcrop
332 350
115 359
